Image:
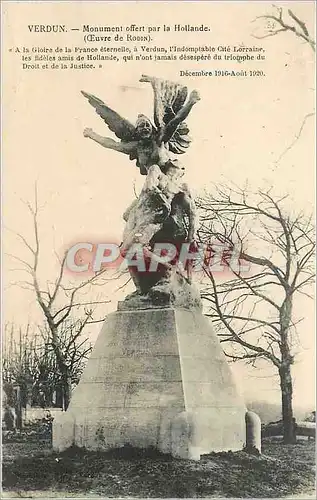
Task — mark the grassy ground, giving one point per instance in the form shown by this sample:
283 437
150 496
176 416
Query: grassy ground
30 467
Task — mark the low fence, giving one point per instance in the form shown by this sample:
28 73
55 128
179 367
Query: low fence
306 429
301 429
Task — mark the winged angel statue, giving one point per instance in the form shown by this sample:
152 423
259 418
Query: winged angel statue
165 210
148 144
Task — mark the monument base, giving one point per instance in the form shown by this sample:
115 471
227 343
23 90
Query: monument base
155 378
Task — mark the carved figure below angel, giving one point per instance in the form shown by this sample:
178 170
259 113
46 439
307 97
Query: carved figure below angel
164 213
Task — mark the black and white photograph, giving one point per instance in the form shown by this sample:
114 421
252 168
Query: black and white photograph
158 249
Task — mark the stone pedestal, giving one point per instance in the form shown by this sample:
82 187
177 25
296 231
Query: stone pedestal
156 377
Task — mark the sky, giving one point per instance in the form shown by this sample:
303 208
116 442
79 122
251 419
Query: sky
240 129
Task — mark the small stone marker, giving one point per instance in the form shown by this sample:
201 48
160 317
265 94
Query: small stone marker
253 432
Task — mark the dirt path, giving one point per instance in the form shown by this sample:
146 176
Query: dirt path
33 470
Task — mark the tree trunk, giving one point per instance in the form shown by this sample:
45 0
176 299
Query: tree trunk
286 383
289 434
67 389
18 407
62 365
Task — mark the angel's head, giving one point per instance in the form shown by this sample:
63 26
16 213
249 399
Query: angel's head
144 127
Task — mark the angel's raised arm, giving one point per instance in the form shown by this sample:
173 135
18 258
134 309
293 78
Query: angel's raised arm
159 110
181 115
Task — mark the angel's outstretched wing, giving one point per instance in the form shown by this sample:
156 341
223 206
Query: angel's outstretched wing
123 129
169 98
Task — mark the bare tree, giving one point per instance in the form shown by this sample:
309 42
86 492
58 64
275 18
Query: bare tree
255 310
75 349
279 22
29 361
65 310
19 366
18 354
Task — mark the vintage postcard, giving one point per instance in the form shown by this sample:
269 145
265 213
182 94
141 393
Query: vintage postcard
158 166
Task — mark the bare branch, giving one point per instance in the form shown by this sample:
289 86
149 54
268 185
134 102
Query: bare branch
63 345
250 316
296 138
299 22
58 281
80 304
300 30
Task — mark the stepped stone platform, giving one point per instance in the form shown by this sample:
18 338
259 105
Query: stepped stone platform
155 378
